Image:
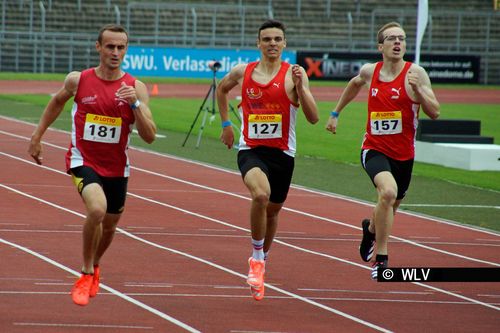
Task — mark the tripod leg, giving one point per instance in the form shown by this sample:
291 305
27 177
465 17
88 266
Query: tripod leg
235 113
214 89
197 115
211 91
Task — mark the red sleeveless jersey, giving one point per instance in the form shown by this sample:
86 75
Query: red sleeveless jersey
392 117
101 126
268 115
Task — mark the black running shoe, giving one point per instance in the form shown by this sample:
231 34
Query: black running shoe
367 243
376 265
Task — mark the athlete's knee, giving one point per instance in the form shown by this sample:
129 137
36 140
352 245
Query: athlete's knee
96 214
261 198
387 196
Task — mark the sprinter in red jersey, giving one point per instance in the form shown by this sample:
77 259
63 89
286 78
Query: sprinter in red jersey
271 92
397 90
107 103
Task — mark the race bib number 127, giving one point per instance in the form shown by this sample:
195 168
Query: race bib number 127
264 126
102 128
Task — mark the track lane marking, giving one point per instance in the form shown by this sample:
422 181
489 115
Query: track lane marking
313 216
184 254
298 187
237 227
75 273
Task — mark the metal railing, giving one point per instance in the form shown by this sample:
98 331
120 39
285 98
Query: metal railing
34 46
188 22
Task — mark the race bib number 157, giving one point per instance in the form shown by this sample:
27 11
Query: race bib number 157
388 122
102 128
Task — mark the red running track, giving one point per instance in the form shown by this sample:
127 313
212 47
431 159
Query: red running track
179 261
321 93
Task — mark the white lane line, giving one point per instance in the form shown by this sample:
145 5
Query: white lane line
75 273
303 249
18 279
103 286
243 276
209 263
39 231
367 291
83 326
245 296
217 230
13 224
314 252
144 227
451 206
487 240
298 187
161 136
341 299
313 216
187 234
172 285
247 230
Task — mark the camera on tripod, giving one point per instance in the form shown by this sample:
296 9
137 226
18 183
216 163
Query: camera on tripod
214 65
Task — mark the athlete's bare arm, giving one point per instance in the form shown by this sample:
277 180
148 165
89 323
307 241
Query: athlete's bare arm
306 99
51 112
421 91
228 82
350 92
144 123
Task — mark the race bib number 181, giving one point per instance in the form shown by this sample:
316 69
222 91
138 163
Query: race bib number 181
102 128
388 122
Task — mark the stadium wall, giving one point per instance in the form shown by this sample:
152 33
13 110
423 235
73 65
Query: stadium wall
59 36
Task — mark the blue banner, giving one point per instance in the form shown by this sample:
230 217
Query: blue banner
188 63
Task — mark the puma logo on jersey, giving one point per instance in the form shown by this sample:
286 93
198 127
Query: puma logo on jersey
374 92
397 91
277 85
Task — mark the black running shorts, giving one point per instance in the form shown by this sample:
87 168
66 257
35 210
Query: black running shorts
115 188
375 162
277 166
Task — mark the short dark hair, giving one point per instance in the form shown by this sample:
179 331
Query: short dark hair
111 27
271 24
380 34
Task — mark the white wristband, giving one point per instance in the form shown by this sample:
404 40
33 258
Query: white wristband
135 105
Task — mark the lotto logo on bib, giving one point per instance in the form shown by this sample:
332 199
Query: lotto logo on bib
386 115
264 117
102 128
384 123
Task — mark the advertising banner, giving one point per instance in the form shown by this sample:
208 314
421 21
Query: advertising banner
344 66
187 62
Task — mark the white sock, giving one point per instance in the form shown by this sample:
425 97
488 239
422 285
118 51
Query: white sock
258 249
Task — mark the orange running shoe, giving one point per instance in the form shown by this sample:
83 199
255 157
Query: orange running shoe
256 273
81 289
95 282
257 293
